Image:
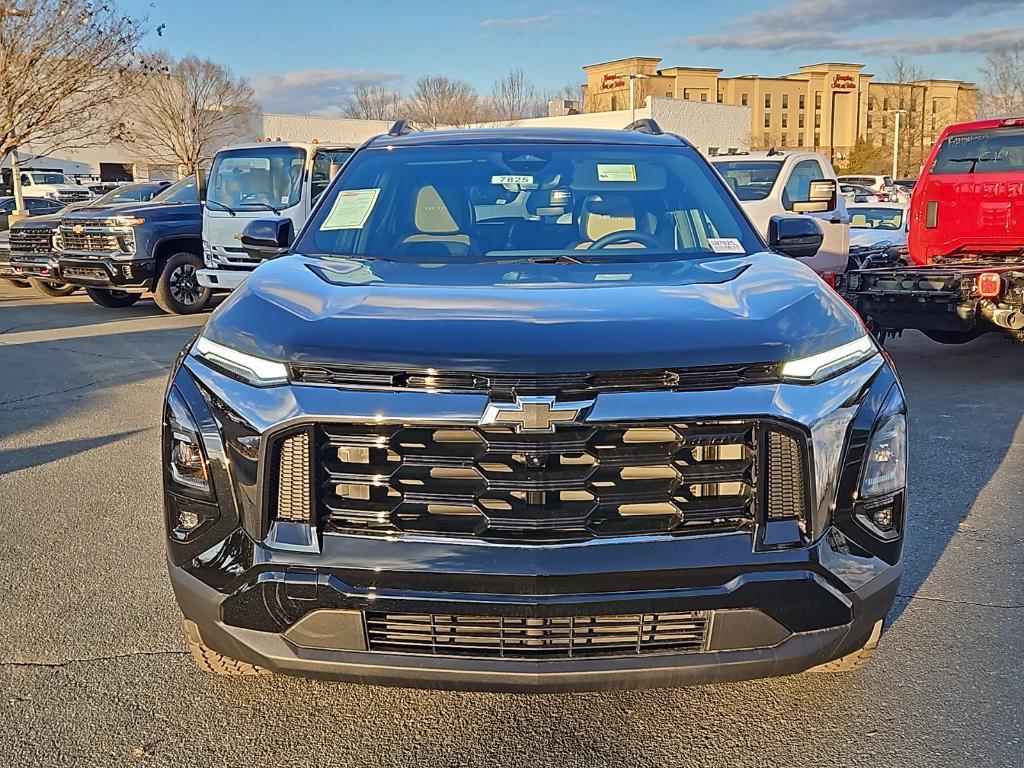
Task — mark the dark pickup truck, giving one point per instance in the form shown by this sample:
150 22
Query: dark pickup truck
117 254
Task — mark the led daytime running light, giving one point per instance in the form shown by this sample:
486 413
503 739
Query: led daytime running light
826 364
255 370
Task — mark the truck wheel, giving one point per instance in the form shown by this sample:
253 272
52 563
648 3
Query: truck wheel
112 299
857 659
952 337
52 288
17 283
178 290
213 662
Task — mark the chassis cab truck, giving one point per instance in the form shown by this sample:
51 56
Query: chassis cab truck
253 181
966 242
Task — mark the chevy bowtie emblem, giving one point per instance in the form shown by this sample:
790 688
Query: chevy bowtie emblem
78 229
534 414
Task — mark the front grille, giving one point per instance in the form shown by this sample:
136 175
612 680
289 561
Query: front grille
86 273
786 497
573 484
24 240
98 242
73 195
293 493
538 638
672 379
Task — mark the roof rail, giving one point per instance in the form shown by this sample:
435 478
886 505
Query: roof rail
646 125
400 128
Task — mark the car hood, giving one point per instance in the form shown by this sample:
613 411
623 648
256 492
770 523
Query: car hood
51 221
106 211
505 317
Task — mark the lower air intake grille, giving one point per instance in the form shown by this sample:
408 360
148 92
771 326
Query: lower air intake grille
538 638
785 477
293 485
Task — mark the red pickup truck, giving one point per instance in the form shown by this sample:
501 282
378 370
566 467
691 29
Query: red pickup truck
966 242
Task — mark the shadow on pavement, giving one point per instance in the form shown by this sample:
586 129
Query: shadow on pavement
13 459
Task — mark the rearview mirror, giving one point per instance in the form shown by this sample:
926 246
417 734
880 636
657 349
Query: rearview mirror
821 197
796 236
267 238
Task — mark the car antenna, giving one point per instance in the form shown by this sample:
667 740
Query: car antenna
400 128
773 151
646 125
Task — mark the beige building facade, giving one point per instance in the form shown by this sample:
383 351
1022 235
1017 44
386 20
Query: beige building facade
825 106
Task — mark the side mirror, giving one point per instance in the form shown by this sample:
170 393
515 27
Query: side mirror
821 197
267 238
332 170
796 236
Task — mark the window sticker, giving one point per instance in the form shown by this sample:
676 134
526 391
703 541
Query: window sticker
512 179
725 245
616 172
351 209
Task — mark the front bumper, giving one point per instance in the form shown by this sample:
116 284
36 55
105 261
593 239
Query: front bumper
222 279
303 606
42 267
100 271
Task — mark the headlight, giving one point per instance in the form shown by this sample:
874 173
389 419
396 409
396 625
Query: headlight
885 463
824 365
52 195
185 460
127 221
257 371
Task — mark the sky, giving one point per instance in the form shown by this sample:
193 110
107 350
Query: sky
305 56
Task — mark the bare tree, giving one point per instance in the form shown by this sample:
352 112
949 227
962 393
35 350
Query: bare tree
1003 92
574 92
513 98
197 107
904 91
64 66
437 100
373 102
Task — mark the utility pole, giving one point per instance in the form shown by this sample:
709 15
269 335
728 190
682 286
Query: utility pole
896 144
19 211
633 77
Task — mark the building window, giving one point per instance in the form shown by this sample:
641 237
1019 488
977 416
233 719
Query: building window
783 142
668 94
615 102
869 120
885 139
933 123
767 120
901 102
817 121
767 101
703 97
871 103
743 99
800 140
817 139
686 94
817 99
935 106
800 121
785 101
721 97
802 101
785 121
767 139
885 121
885 103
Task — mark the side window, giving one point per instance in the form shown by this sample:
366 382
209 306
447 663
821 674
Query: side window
26 180
322 170
798 186
7 207
36 206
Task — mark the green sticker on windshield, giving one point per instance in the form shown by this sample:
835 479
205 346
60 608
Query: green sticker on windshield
351 209
616 172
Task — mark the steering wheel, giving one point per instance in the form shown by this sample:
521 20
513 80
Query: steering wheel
626 236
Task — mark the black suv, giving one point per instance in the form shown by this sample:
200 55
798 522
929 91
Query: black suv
533 410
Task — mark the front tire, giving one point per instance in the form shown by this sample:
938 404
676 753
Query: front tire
112 299
178 291
952 337
52 288
215 663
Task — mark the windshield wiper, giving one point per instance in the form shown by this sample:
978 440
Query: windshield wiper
221 206
268 206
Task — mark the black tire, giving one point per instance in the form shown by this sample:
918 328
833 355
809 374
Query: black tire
52 287
952 337
112 299
178 291
17 283
858 658
215 663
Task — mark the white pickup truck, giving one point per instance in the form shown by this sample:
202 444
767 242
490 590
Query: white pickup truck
780 182
253 181
52 185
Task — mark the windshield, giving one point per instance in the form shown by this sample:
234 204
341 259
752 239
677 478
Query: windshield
267 177
876 218
51 178
133 193
750 179
183 191
562 201
998 151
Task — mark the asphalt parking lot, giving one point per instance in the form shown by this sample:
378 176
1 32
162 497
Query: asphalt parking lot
93 668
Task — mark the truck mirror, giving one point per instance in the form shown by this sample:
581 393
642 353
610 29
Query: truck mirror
267 238
797 236
821 197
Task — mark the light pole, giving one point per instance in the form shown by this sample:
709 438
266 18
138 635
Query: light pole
19 211
896 143
633 77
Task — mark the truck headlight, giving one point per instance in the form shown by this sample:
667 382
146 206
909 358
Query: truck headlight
825 365
186 463
251 369
885 463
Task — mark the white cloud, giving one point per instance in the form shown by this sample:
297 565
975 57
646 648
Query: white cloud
314 91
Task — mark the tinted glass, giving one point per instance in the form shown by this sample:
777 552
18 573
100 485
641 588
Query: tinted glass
523 200
875 218
265 177
750 179
130 193
322 161
180 192
998 151
51 178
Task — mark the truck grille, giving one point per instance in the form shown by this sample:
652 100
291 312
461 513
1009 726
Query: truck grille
73 195
672 379
84 242
25 240
537 638
573 484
